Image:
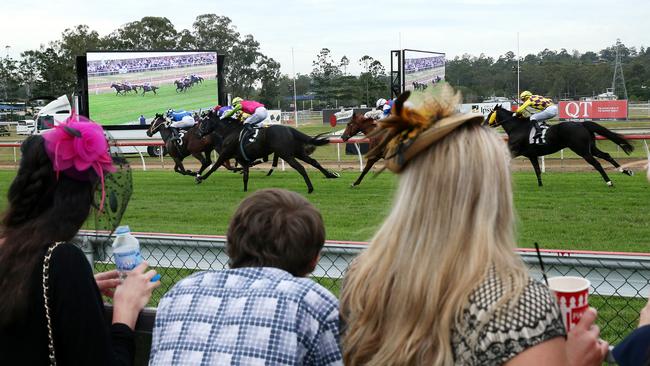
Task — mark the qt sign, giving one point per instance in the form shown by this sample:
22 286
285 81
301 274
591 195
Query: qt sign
593 109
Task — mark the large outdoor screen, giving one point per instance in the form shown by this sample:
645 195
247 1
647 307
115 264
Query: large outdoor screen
123 86
422 69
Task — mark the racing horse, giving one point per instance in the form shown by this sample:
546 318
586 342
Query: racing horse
199 147
196 79
181 85
357 124
151 88
577 136
122 88
285 142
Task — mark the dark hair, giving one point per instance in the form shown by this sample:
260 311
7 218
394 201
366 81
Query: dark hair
43 208
276 228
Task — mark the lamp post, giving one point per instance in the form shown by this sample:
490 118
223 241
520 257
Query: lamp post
5 80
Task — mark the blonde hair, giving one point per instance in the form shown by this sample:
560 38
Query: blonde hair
452 221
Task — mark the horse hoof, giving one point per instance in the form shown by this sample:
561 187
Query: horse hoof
310 190
198 180
610 184
334 175
628 172
353 185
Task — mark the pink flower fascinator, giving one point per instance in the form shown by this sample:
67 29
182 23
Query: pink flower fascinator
79 149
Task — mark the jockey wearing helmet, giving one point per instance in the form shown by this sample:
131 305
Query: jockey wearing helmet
544 110
220 110
180 120
379 112
256 111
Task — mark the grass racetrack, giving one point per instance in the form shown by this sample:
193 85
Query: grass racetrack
111 109
572 210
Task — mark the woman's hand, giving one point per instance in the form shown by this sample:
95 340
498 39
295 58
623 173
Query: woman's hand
133 294
584 346
644 318
107 282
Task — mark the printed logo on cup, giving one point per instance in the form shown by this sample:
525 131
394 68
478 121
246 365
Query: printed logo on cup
572 294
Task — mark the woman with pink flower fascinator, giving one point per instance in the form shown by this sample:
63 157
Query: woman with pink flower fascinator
51 309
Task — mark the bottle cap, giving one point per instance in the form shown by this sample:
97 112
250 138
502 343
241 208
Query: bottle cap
122 230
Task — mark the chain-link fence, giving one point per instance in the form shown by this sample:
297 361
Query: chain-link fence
619 282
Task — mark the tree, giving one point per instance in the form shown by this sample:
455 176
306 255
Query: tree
149 33
29 71
343 64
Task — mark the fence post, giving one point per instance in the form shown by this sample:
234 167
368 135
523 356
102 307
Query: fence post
356 145
144 165
338 154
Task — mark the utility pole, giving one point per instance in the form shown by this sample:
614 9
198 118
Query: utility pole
518 92
295 103
619 79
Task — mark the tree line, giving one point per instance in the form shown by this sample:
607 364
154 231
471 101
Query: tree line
49 70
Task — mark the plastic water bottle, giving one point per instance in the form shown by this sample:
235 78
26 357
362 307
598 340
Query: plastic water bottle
126 251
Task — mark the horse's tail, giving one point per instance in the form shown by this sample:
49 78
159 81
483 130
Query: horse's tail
613 136
310 143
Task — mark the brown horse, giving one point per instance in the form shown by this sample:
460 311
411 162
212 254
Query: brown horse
357 124
199 147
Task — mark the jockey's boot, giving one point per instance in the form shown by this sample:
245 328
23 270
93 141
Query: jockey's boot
538 133
176 136
249 131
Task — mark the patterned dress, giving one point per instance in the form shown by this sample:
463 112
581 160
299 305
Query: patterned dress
534 319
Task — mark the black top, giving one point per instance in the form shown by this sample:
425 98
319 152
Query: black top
635 348
81 332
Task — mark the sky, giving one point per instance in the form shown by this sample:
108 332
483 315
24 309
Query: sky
353 28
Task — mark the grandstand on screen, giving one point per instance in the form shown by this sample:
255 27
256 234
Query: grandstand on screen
142 64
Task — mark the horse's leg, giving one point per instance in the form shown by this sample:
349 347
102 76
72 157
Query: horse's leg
311 161
199 156
179 168
366 169
300 169
273 165
215 166
591 160
603 155
207 163
538 172
245 177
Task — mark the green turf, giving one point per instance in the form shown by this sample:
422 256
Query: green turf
111 109
571 211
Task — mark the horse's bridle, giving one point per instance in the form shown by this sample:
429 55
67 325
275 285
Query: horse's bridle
155 127
492 118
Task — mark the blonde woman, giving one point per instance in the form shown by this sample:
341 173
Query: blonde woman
440 283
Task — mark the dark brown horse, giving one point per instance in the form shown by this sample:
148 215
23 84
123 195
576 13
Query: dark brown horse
199 147
357 124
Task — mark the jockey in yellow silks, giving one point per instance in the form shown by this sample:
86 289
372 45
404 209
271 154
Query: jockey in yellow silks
543 107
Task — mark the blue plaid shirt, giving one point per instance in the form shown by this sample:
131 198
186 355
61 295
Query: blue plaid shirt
247 316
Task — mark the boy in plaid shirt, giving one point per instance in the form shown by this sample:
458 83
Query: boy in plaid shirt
261 311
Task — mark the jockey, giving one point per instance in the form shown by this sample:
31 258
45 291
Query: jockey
377 113
257 112
180 120
544 110
388 107
222 109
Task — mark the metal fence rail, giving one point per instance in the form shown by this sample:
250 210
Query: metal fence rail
619 281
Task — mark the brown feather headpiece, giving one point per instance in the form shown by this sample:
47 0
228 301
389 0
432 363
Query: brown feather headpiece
414 125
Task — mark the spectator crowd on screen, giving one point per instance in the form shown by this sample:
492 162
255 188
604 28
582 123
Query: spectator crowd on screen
412 65
103 67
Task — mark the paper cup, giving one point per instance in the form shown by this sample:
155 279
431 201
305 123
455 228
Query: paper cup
572 294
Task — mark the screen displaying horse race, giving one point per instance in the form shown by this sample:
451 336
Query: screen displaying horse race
422 69
123 87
